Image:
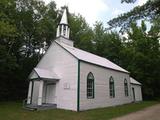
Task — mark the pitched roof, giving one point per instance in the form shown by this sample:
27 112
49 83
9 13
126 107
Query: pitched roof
133 81
64 18
91 58
43 73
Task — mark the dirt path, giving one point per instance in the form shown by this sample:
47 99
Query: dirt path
150 113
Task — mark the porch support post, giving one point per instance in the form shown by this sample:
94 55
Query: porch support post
68 32
62 30
40 92
29 93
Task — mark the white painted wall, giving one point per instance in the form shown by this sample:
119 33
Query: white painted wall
44 93
138 92
35 92
65 66
102 97
65 41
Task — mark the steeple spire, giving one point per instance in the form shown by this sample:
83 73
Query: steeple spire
63 28
64 18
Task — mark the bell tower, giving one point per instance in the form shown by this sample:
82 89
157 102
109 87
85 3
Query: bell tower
63 27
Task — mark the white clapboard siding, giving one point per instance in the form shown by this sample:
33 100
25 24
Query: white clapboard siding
35 92
137 91
65 66
102 97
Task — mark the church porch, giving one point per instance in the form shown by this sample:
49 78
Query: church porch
42 90
41 95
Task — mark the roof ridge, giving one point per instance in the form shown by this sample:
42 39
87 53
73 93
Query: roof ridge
72 47
97 60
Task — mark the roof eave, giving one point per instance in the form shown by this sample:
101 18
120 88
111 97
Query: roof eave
105 67
90 62
136 84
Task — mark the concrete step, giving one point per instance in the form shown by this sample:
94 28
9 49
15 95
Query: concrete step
40 107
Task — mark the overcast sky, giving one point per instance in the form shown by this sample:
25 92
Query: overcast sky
97 10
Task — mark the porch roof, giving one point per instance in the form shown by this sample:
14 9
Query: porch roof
133 81
39 73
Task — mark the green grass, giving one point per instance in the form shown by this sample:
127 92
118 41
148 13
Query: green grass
14 111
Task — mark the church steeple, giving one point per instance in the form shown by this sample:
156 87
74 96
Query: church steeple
63 27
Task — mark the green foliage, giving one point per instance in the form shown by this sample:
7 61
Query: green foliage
141 54
7 27
81 33
36 24
143 57
107 44
8 66
149 10
24 27
128 1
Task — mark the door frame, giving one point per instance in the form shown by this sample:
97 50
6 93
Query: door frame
47 84
133 91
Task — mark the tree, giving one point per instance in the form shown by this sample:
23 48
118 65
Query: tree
142 55
149 10
81 33
8 33
128 1
27 28
99 40
36 24
24 27
107 44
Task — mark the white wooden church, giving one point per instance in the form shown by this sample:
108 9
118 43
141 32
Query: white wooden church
73 79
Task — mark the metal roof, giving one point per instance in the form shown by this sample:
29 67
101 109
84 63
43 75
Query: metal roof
133 81
43 74
91 58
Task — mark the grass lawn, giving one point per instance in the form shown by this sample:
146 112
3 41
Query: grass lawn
14 111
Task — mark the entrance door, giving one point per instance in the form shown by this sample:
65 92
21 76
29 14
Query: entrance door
50 93
133 95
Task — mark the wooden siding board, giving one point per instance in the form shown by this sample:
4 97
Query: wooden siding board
138 92
102 98
65 66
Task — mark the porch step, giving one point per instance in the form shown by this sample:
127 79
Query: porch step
40 107
29 108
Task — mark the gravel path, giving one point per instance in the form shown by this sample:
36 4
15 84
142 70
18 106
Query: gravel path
150 113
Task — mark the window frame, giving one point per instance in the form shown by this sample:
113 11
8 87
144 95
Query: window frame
90 91
126 93
111 87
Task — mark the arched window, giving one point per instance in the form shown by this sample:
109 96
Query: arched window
111 87
125 87
90 85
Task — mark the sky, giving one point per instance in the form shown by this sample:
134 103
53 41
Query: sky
97 10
